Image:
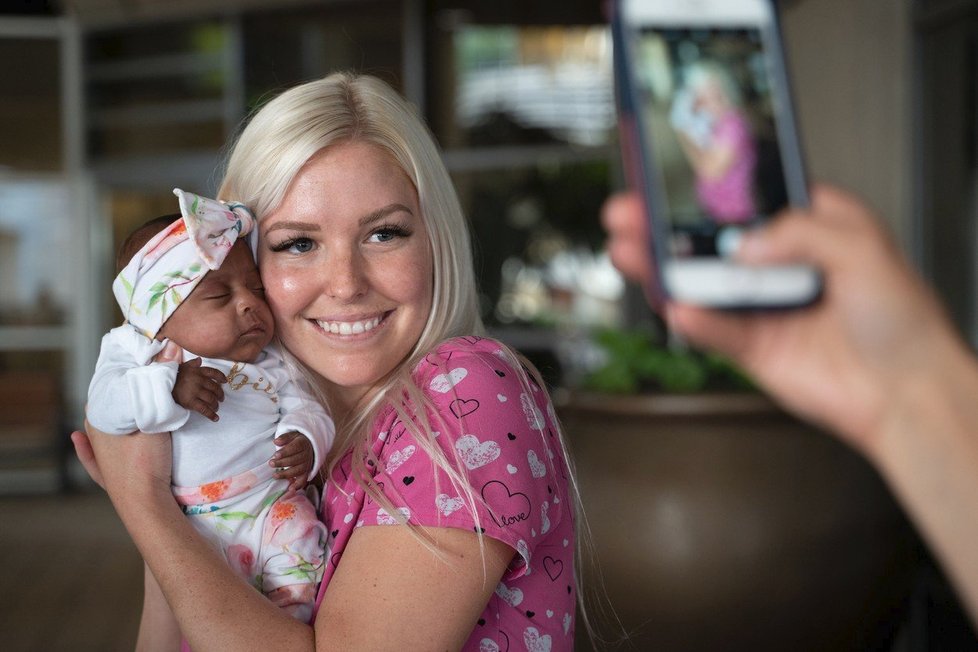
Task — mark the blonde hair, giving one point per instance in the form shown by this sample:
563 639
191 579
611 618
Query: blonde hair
268 154
293 127
705 72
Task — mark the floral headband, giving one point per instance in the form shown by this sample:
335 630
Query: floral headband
167 268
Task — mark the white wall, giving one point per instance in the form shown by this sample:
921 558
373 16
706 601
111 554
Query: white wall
851 66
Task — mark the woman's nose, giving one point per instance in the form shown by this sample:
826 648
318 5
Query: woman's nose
344 277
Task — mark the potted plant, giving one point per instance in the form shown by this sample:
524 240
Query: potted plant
722 523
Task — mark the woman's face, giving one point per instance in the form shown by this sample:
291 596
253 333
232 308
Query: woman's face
347 267
710 97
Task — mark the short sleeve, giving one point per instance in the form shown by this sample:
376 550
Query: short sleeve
494 425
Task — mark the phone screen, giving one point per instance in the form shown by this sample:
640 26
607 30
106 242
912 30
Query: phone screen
709 123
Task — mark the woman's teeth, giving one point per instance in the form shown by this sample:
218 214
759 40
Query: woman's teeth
349 327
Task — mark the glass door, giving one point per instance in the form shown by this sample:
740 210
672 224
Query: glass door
46 250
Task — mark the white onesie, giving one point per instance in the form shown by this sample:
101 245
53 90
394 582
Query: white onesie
221 474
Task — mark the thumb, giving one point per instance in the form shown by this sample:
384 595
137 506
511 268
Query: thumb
171 353
727 333
793 237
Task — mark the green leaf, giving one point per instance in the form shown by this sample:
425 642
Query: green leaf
235 516
127 286
271 499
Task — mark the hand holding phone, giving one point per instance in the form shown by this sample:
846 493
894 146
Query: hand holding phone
709 138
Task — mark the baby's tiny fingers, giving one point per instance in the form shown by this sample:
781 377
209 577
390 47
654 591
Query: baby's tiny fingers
286 438
300 470
210 397
213 374
217 390
203 408
282 458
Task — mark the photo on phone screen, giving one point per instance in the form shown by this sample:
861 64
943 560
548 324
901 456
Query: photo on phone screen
706 98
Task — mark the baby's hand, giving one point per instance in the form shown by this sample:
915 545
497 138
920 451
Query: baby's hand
294 459
199 388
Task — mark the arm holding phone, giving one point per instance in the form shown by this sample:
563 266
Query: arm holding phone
876 360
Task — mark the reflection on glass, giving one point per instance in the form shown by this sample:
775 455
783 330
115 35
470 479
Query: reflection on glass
708 110
288 46
30 111
160 88
538 245
35 252
529 85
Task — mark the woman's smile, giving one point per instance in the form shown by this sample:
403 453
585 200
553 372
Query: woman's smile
351 326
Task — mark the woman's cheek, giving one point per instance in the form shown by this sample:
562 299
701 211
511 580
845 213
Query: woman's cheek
282 291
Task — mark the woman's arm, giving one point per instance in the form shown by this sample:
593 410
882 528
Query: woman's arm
391 592
158 629
875 361
214 608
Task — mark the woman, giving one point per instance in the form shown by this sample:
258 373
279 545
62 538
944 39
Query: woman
721 148
448 496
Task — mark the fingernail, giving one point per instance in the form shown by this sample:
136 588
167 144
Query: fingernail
750 245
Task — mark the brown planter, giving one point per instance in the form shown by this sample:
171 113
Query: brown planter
721 523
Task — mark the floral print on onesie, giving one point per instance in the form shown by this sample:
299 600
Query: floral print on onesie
498 424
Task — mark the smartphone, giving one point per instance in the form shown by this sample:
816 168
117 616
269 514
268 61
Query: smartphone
709 137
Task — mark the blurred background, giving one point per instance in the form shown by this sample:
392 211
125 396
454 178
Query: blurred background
744 528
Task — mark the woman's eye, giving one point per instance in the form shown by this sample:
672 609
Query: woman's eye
388 233
294 246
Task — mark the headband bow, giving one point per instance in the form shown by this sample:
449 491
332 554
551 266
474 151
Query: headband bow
167 268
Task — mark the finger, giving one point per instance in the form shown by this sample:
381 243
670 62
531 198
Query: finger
192 364
171 353
214 388
297 471
624 214
628 237
213 374
794 237
83 449
296 446
291 459
297 484
720 331
836 205
286 438
204 409
209 396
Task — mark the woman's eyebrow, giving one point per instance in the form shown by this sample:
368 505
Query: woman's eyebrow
294 226
381 213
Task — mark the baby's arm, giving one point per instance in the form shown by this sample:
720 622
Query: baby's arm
127 393
300 413
199 388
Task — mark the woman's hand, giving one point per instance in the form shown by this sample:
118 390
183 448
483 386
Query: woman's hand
149 456
83 449
844 362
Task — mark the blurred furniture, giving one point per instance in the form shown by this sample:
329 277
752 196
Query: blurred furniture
32 435
720 523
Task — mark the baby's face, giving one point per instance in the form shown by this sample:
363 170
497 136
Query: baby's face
226 315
